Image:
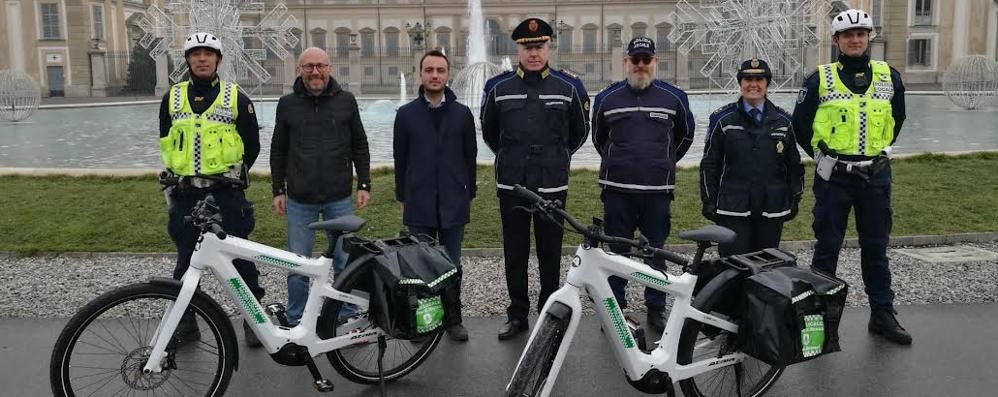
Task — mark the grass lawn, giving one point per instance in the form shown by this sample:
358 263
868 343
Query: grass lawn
933 194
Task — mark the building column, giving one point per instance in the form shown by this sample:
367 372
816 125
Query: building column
14 34
289 75
98 72
356 72
683 69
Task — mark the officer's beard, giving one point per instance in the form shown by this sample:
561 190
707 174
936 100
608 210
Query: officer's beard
639 80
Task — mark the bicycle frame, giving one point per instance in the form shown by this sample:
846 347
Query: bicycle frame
588 274
215 255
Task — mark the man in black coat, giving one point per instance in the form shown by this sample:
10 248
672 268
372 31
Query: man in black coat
435 150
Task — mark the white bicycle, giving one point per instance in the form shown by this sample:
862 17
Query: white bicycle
120 343
698 346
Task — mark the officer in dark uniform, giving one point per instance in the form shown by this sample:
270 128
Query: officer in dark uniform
751 143
533 119
206 106
848 115
642 127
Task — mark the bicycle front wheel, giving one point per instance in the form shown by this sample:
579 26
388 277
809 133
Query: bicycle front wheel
103 348
359 363
749 378
531 374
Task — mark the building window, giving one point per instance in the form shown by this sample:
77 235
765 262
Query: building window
639 29
443 41
565 41
97 21
662 36
923 12
342 43
50 21
298 34
589 39
392 42
590 68
393 71
920 53
367 43
368 71
319 38
344 71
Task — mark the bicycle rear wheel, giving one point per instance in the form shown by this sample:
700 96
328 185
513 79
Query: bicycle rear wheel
749 378
103 348
359 363
531 374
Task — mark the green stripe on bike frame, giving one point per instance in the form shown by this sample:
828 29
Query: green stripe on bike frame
275 261
618 322
247 300
649 279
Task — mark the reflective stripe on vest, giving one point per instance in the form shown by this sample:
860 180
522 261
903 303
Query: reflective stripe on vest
206 143
852 123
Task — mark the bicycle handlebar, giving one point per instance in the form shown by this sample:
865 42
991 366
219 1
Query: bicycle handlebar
593 232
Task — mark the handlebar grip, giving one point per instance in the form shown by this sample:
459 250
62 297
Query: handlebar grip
527 194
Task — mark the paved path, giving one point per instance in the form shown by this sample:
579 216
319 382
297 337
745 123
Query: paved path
954 354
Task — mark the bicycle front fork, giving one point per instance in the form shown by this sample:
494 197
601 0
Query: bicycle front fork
171 317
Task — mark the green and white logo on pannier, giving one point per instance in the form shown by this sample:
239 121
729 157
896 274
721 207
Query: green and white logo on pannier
429 314
812 337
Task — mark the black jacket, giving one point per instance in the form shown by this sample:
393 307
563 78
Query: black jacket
750 168
435 167
533 122
201 94
317 143
807 99
640 135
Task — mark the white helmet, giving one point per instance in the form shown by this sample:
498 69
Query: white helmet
852 19
202 40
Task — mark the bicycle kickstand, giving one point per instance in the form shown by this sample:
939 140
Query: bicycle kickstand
321 384
382 344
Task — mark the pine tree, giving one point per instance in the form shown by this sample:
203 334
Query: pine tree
141 72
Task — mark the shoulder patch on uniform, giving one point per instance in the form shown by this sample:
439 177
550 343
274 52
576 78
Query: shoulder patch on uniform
585 106
802 95
249 108
569 73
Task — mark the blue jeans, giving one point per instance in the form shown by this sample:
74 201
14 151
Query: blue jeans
648 213
300 241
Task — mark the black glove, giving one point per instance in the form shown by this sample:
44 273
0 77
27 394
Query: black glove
709 211
794 208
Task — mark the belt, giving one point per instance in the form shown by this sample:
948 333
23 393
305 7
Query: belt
863 169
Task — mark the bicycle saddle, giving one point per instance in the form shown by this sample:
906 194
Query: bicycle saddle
717 234
343 224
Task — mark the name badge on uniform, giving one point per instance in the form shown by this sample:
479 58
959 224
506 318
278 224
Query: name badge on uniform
883 88
663 116
224 112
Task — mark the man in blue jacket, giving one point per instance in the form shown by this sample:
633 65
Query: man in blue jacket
435 150
642 127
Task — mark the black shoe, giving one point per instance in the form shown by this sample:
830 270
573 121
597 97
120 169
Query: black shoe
251 339
883 323
655 321
513 328
187 331
457 333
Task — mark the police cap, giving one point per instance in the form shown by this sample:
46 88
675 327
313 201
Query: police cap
755 67
532 31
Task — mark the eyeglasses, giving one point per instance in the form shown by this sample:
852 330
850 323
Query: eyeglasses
314 66
641 60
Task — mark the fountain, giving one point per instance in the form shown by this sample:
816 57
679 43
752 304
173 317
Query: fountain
402 92
469 83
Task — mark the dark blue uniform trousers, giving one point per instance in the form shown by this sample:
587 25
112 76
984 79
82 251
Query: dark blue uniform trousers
237 220
516 251
649 213
872 202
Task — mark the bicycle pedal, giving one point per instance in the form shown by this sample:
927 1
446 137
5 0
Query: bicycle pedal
277 310
323 385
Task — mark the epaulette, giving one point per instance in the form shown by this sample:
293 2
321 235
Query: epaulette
723 108
569 73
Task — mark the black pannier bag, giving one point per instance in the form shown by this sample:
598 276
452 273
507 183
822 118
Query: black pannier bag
790 315
413 286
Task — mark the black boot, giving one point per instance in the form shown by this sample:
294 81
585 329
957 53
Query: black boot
187 331
251 339
885 324
512 328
